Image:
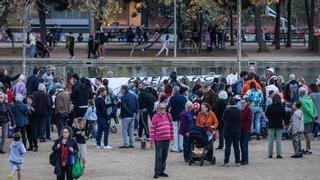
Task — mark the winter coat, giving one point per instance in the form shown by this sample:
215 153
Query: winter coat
32 84
296 122
276 115
186 122
176 105
129 105
232 122
42 104
81 95
21 113
308 108
210 120
212 99
246 120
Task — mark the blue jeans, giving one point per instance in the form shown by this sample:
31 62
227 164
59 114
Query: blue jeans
186 148
256 110
128 127
234 140
48 128
103 126
244 145
277 135
32 51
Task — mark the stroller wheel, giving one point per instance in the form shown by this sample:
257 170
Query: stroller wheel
213 160
114 129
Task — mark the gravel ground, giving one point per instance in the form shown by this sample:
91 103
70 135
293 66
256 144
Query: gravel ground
138 164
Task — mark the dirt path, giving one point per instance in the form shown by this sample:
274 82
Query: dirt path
138 164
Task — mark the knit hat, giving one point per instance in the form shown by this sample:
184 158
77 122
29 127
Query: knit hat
270 69
223 95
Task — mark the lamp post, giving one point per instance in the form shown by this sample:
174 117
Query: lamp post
175 27
239 37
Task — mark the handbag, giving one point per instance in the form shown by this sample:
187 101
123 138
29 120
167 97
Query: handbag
77 169
53 158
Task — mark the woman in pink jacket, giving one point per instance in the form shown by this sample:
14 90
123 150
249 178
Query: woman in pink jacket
161 132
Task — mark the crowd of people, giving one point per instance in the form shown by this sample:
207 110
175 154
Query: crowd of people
232 110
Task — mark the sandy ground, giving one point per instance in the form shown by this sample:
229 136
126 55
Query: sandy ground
138 164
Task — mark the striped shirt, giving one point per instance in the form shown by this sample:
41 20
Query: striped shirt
161 128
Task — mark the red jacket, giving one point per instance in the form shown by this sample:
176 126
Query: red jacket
246 120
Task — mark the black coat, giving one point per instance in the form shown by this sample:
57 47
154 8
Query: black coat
221 107
81 95
70 143
177 104
275 114
32 84
6 80
232 122
42 104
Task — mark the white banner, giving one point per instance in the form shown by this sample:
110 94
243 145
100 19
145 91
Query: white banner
116 83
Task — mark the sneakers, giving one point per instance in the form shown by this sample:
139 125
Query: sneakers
306 152
244 163
163 175
238 164
107 147
297 156
156 176
279 157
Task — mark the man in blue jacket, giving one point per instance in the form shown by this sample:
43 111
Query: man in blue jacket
176 105
33 82
129 108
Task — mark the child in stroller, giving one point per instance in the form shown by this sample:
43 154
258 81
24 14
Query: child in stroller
42 50
201 146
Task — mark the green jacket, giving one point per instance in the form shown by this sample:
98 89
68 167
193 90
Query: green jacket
308 109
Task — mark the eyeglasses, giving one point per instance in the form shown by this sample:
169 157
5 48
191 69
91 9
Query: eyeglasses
65 131
162 108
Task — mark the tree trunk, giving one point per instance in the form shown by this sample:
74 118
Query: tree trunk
231 27
310 18
277 27
42 21
5 13
289 29
259 35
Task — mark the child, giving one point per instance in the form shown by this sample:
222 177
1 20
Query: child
165 46
17 150
296 129
81 134
91 117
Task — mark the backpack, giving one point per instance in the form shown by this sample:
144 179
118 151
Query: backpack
53 158
293 91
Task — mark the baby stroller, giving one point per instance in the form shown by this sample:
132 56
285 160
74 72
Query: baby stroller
201 147
42 50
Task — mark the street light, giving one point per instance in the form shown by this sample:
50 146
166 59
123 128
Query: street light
239 37
175 27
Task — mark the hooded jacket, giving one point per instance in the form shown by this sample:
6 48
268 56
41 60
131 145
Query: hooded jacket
17 151
81 95
308 109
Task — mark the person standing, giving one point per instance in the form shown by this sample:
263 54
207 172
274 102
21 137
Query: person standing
309 113
255 97
42 107
129 108
70 44
221 107
20 113
296 128
232 77
161 133
81 133
6 117
91 118
275 114
232 130
210 97
246 123
33 126
187 122
20 87
48 76
32 40
165 46
80 96
291 89
103 119
33 82
100 39
64 146
91 47
176 105
62 107
315 96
